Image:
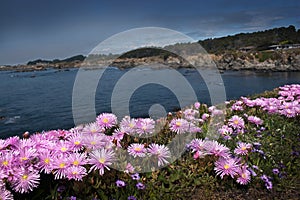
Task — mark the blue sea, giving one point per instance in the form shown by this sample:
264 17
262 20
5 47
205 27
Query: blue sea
42 100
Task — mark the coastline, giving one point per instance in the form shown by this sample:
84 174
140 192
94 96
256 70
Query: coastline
283 60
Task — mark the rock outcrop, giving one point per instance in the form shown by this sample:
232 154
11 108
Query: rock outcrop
278 60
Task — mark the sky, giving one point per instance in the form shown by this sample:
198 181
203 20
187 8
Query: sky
40 29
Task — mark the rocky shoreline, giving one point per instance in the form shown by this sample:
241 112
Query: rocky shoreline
283 60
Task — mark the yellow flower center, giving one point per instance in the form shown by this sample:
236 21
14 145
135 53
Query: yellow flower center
178 123
93 142
244 175
75 173
24 177
226 166
5 163
236 122
76 162
244 148
77 142
131 125
105 120
24 158
63 149
138 149
47 160
102 160
62 165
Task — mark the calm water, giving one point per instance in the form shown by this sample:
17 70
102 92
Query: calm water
36 101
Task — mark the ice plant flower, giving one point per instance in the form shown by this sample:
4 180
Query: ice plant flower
161 152
137 150
226 131
107 120
76 172
190 114
227 166
5 194
92 128
197 105
243 148
216 149
26 181
236 122
77 159
129 168
128 125
244 176
255 120
46 159
196 145
179 126
100 159
145 126
95 141
60 165
76 141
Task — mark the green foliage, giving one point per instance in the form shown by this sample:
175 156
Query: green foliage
260 40
195 179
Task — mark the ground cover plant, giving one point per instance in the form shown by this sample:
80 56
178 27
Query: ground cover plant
255 155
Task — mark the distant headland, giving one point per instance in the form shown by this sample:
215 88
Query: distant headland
275 49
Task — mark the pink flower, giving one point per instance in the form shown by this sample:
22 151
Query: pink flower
238 106
76 142
225 130
107 120
101 159
190 114
94 141
236 122
77 159
129 168
161 152
6 159
60 165
196 145
216 149
255 120
205 116
243 148
5 194
63 147
93 128
145 126
76 173
128 125
244 176
248 102
227 167
46 159
137 150
26 181
117 137
197 105
179 126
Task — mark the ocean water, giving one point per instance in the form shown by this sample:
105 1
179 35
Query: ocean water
37 101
